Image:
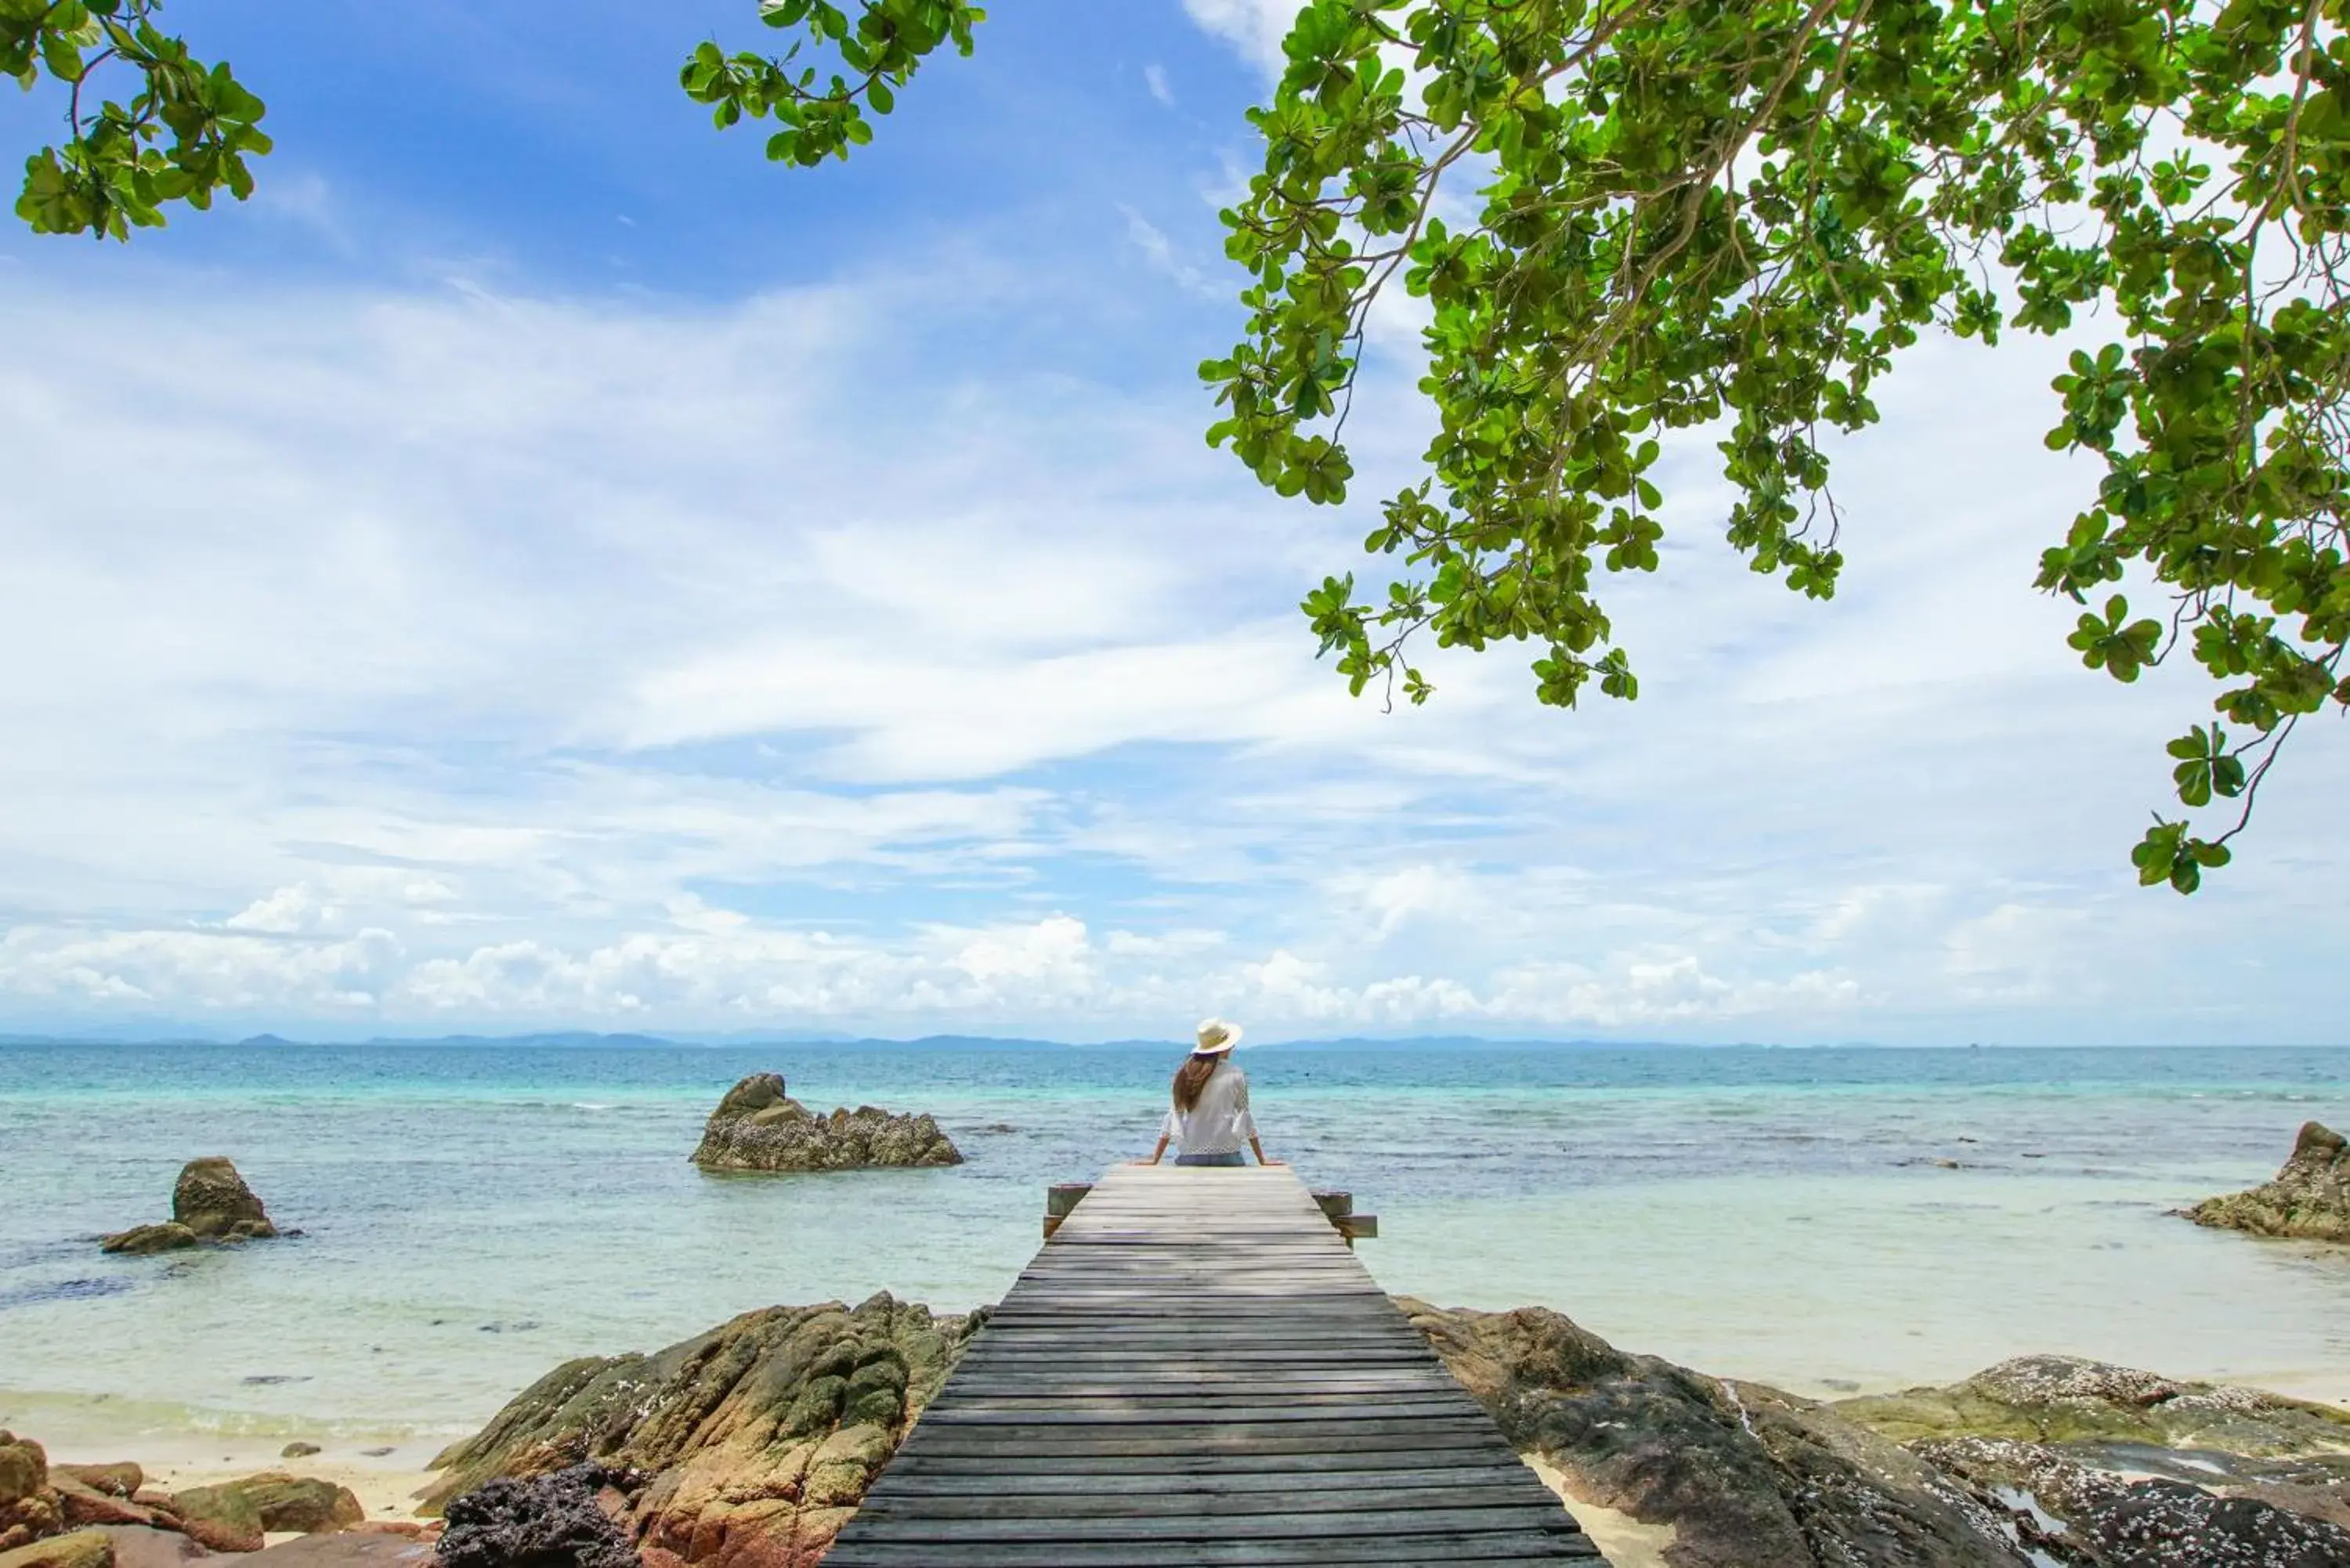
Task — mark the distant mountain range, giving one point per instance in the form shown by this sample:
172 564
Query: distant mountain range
587 1040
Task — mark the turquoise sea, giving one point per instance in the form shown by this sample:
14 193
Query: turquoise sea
472 1216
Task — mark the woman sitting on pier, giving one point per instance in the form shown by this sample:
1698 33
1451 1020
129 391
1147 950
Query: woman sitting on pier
1211 1116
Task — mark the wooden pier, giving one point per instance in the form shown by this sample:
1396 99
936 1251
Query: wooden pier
1195 1369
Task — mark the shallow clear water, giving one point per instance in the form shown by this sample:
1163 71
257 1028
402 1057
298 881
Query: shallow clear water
474 1216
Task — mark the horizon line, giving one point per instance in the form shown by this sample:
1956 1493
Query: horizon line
583 1039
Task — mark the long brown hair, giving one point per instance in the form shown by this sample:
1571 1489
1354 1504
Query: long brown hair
1191 1078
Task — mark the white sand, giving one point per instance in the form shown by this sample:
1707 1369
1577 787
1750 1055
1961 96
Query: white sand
1627 1543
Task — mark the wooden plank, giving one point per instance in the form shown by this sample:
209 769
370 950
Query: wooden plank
1049 1425
1228 1483
1344 1412
1160 1380
1175 1442
916 1524
1144 1355
1180 1467
1202 1498
1520 1550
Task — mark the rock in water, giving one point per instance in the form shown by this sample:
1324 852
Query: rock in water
1748 1477
211 1199
756 1441
2309 1198
758 1127
548 1522
141 1240
210 1204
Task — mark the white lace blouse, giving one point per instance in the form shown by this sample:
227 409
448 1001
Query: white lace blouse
1220 1123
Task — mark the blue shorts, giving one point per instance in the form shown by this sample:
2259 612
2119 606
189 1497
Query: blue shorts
1231 1159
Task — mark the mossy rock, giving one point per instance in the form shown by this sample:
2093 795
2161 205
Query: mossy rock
211 1199
80 1549
2063 1399
272 1502
749 1443
145 1241
23 1468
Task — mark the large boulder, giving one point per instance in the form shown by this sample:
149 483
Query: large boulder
2043 1459
211 1205
1746 1476
2309 1198
758 1127
749 1446
211 1199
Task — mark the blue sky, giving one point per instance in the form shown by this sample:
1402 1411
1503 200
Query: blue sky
539 564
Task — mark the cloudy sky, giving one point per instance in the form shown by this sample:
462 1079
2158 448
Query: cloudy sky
540 566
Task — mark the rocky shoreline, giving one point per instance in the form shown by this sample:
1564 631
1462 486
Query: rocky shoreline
750 1445
94 1516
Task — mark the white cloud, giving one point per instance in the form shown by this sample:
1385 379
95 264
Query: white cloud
459 658
1154 77
193 973
1255 28
1160 252
1664 990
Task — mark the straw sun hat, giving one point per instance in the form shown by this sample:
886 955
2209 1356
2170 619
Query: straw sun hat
1216 1037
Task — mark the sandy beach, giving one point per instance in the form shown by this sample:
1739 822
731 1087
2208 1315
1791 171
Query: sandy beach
386 1484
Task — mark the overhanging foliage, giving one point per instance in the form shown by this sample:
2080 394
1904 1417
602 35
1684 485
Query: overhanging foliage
1728 215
